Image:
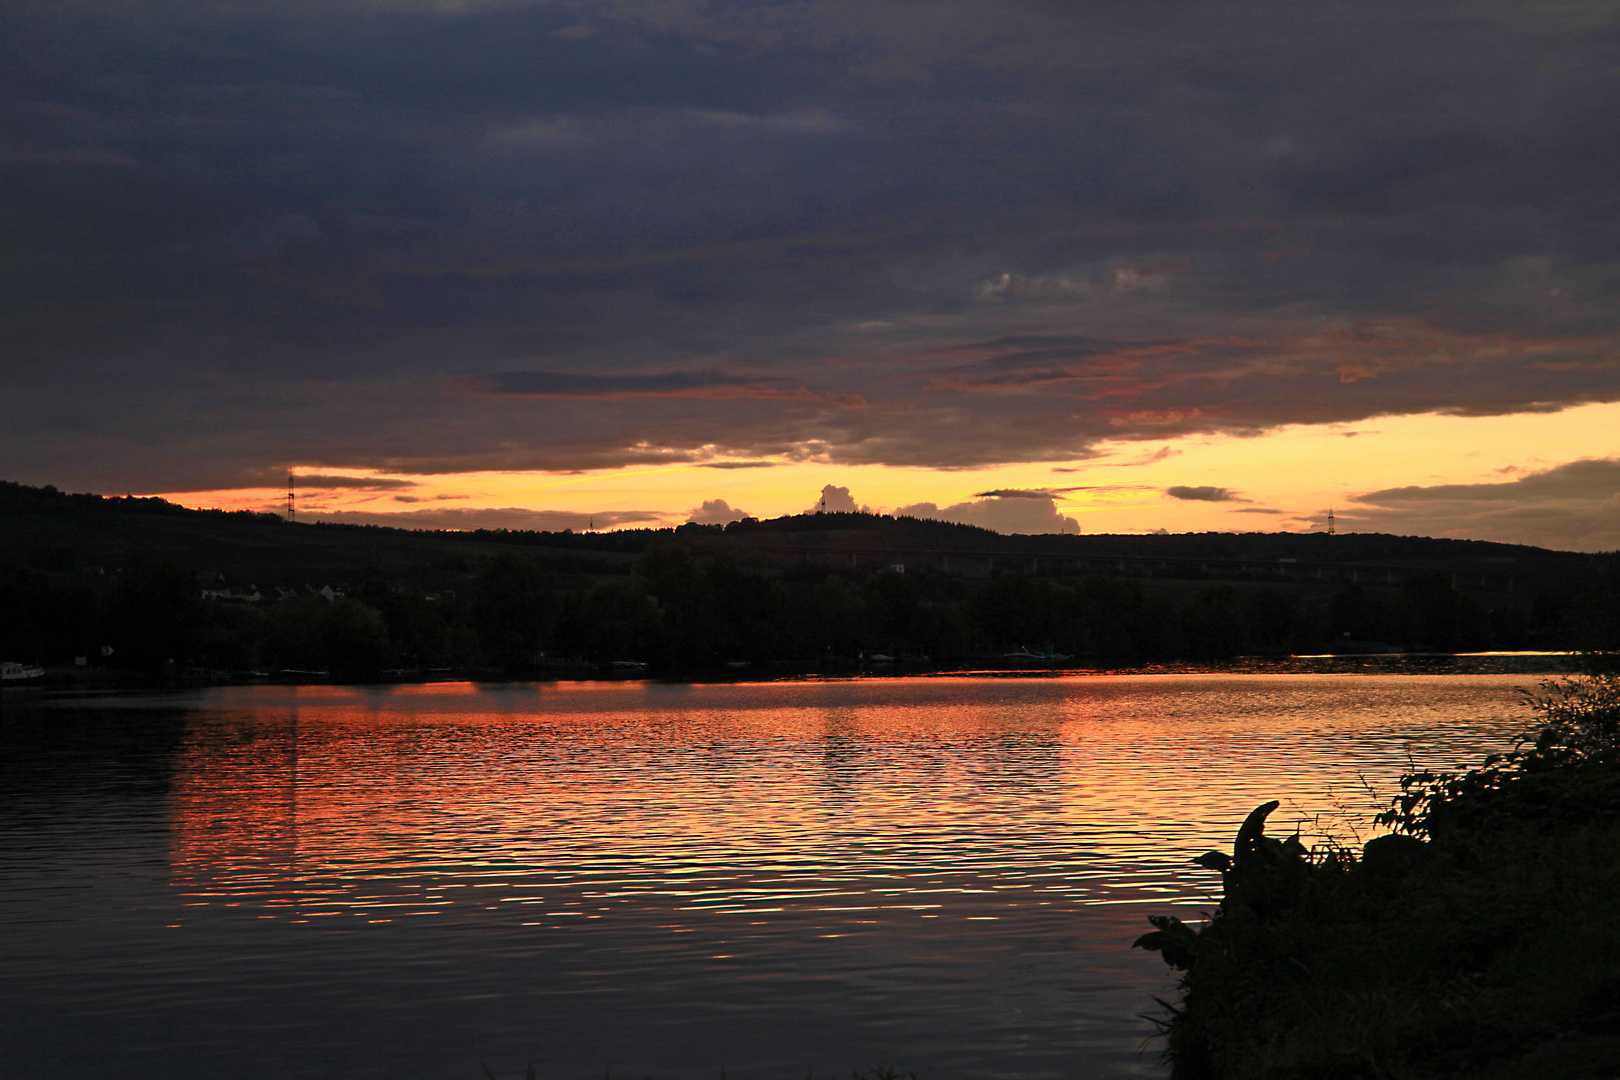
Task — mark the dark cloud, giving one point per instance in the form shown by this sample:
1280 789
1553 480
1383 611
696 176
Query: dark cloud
317 481
1042 494
740 464
1254 510
1203 494
432 237
713 385
427 498
1572 506
307 482
1590 478
1161 454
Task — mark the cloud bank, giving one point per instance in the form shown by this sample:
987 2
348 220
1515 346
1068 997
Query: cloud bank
1571 506
446 237
1021 512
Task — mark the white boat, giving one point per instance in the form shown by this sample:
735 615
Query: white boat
12 672
1024 653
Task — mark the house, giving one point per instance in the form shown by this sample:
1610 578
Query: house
249 595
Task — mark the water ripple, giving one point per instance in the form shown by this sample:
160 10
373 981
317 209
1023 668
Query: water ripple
779 877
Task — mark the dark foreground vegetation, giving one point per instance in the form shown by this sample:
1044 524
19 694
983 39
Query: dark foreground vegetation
144 586
1477 939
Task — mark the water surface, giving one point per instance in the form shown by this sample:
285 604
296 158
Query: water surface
655 880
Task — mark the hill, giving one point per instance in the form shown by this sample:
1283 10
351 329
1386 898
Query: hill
79 571
43 524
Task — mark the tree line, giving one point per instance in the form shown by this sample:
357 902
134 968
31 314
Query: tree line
682 613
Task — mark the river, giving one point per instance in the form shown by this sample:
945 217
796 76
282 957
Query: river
645 880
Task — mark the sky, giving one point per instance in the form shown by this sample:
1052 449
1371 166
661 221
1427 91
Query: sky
1040 266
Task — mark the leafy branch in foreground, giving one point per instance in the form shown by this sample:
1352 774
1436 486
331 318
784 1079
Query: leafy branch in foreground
1473 941
1577 740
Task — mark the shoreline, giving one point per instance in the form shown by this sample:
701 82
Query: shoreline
69 679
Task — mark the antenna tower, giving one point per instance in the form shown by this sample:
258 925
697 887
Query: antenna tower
290 495
1331 529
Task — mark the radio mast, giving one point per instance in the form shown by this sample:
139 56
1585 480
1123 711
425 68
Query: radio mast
1330 521
291 509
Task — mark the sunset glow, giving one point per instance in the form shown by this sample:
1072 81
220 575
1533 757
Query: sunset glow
1285 478
650 263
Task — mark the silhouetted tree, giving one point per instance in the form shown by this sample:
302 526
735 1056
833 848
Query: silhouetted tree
154 616
1009 611
1271 620
833 617
293 635
1356 614
891 607
614 619
691 634
415 626
230 635
513 610
1431 612
45 620
1213 624
355 639
753 617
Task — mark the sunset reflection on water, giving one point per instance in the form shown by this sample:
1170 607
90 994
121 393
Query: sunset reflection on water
589 798
941 872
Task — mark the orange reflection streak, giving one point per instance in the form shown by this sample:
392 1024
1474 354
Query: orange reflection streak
572 801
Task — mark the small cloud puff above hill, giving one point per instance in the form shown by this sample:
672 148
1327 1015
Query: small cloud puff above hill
837 500
716 512
1004 512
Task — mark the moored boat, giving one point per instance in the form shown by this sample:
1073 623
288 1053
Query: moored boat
11 672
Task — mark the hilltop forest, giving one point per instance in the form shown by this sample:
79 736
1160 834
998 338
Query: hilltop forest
142 585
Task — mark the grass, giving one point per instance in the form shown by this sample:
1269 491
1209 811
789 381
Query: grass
1477 941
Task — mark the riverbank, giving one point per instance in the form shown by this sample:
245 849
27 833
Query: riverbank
69 678
1476 940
